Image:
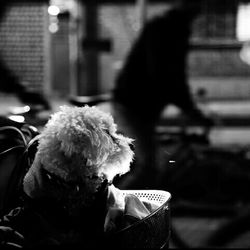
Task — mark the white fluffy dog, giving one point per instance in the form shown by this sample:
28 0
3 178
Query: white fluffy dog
79 148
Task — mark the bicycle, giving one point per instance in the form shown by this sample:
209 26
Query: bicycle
199 176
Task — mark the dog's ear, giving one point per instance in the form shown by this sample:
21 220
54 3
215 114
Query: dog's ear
33 180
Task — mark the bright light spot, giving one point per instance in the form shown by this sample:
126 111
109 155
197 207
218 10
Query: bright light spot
20 110
171 161
243 22
17 118
53 10
53 27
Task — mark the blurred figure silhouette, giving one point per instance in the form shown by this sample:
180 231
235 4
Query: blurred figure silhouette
154 76
9 82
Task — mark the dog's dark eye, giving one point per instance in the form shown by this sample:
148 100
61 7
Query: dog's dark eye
52 178
46 174
77 188
49 176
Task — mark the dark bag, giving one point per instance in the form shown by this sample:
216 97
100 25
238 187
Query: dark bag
17 150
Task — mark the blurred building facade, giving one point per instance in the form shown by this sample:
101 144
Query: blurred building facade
55 59
24 43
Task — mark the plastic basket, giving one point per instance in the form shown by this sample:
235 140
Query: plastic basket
157 197
151 232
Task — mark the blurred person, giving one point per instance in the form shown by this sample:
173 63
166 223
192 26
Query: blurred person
152 77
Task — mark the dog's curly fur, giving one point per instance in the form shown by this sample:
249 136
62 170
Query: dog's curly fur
82 141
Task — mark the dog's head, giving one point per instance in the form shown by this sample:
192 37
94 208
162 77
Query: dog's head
80 145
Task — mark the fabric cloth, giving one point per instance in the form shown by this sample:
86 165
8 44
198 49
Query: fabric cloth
124 210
